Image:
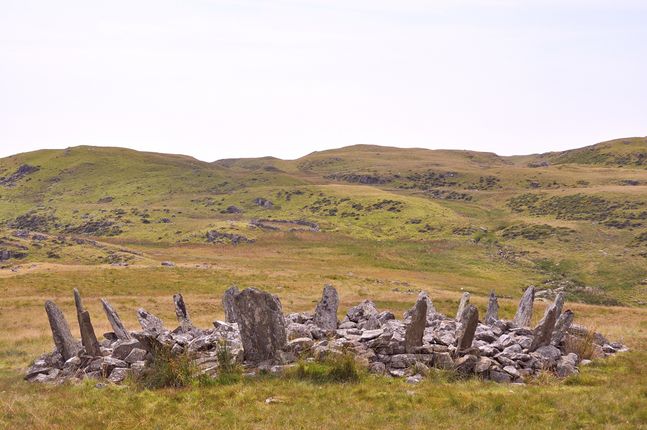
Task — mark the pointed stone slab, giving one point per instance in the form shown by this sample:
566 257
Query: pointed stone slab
181 312
524 313
416 328
326 311
561 327
88 337
465 301
228 304
492 314
559 303
149 322
66 345
431 310
543 333
261 323
467 327
117 326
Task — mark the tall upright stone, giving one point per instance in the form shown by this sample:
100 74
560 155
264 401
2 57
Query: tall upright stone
65 344
431 310
181 312
149 322
261 323
466 329
465 301
326 311
88 337
559 303
524 313
416 328
561 327
492 314
228 304
115 322
544 330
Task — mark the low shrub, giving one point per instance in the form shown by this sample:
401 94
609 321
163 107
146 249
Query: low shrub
169 370
334 368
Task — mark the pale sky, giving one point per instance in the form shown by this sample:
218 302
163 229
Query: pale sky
243 78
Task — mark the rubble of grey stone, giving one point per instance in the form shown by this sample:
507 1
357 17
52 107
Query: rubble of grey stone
259 336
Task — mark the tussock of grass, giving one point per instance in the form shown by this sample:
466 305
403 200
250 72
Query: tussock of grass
169 370
335 368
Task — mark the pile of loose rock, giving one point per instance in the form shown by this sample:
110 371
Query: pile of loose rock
257 334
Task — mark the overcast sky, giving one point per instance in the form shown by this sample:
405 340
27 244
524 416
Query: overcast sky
241 78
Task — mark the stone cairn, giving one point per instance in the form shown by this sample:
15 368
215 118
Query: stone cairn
258 335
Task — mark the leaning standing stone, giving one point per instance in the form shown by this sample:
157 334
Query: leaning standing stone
561 327
228 304
524 313
416 328
465 300
88 337
326 312
117 326
149 322
544 330
492 314
468 322
65 343
181 312
559 303
261 324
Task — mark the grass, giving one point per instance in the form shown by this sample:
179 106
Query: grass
333 368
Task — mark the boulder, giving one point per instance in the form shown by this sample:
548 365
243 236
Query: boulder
567 365
362 312
228 304
326 310
492 314
149 322
524 313
468 322
66 345
543 333
465 300
261 323
416 327
125 347
115 322
135 355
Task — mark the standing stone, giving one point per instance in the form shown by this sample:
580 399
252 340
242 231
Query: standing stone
65 343
468 322
261 323
416 328
544 330
326 312
117 326
559 303
149 322
228 304
561 327
88 337
524 313
181 312
465 300
431 310
492 314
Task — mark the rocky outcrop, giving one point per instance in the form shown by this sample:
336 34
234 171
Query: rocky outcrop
326 311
